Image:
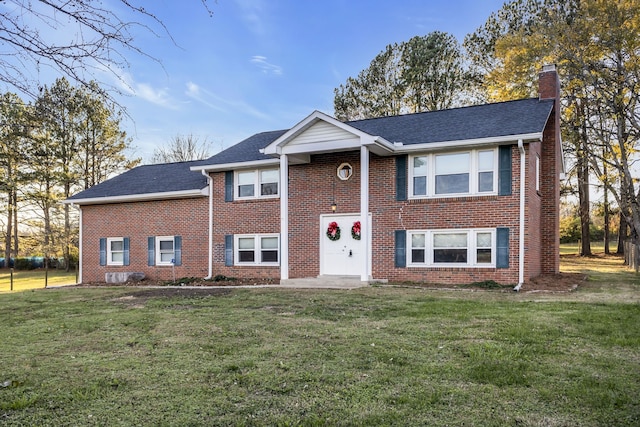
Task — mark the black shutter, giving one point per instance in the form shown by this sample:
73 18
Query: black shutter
504 170
502 247
401 178
401 249
228 250
151 251
228 186
177 250
103 251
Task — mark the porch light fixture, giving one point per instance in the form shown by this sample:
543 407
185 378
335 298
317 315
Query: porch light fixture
334 207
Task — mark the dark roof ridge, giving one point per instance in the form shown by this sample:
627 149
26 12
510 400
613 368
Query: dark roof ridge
446 109
176 163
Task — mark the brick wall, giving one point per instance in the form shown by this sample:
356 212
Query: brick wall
533 215
431 214
241 217
138 221
314 187
551 166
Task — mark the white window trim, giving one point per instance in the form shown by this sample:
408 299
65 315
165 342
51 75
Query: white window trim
473 175
471 248
256 248
110 252
159 261
256 184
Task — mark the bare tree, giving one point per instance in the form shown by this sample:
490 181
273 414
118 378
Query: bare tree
96 38
182 149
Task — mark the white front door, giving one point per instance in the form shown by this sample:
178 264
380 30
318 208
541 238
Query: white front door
344 256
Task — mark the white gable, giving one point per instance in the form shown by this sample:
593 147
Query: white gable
321 131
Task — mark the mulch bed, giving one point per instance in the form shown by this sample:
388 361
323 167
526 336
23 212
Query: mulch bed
562 282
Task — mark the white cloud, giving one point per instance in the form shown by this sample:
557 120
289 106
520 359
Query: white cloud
158 96
211 100
254 12
266 67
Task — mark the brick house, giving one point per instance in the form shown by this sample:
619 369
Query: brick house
453 196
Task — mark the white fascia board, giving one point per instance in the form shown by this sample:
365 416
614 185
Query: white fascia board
237 165
324 146
380 146
183 194
276 147
500 140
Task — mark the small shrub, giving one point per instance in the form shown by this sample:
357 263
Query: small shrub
223 278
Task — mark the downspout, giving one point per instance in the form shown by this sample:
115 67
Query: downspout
80 236
210 184
522 213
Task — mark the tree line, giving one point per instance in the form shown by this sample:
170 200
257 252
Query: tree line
596 47
66 140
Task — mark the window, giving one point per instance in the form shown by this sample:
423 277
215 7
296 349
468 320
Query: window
115 251
420 175
450 248
165 250
455 248
257 183
452 173
259 249
439 175
486 162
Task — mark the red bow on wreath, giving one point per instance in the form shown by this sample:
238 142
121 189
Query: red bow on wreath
355 230
333 231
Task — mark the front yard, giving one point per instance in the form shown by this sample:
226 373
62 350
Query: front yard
373 356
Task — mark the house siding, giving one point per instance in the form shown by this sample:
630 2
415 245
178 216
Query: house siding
138 221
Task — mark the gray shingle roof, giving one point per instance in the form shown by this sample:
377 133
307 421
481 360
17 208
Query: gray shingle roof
146 179
247 150
482 121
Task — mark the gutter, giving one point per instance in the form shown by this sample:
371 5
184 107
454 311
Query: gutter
522 213
144 197
210 240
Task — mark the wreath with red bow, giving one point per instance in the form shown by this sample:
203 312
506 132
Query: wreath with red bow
333 231
355 230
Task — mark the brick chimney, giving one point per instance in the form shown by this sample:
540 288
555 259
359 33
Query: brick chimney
550 170
549 83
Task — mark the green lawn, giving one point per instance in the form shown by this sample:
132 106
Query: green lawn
373 356
34 279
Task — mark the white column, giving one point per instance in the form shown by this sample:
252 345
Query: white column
364 211
284 217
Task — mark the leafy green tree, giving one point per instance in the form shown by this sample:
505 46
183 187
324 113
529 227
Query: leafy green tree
423 74
13 129
78 143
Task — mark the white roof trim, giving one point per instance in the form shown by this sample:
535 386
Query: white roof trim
236 165
276 147
500 140
183 194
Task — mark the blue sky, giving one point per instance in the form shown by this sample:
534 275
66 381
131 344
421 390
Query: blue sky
260 65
